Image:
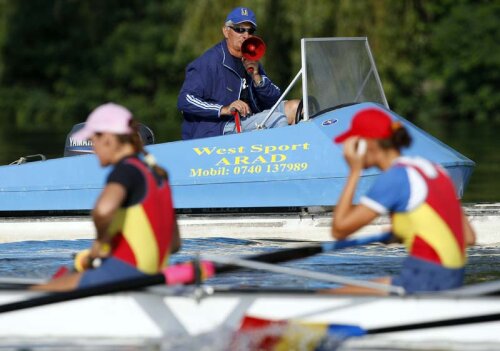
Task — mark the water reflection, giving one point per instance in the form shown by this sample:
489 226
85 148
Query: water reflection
480 143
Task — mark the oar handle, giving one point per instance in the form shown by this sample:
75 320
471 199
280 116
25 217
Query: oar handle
187 272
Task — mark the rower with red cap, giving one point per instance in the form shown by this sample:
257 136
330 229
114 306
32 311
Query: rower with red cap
133 216
418 195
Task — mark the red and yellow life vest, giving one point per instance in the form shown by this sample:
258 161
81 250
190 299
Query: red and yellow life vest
433 231
142 233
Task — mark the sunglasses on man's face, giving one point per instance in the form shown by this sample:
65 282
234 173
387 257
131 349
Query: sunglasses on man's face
241 30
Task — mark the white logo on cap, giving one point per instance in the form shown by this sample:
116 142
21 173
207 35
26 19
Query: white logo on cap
244 12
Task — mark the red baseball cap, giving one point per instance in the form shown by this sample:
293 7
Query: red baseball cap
369 123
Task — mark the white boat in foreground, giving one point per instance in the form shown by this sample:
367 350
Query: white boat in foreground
160 314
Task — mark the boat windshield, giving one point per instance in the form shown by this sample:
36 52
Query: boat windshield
338 71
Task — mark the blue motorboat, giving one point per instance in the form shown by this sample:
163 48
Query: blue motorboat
295 166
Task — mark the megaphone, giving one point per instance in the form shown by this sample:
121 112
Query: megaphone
253 49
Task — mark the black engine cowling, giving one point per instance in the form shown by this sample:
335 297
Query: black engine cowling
73 147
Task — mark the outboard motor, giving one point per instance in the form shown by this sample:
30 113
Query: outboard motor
73 147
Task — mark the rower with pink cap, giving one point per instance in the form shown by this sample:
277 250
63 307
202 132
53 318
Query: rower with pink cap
134 215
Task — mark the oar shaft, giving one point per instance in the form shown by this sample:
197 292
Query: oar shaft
15 283
185 273
296 253
50 298
342 244
306 274
436 324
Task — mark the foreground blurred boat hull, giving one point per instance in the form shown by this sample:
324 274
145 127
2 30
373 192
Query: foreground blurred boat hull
163 314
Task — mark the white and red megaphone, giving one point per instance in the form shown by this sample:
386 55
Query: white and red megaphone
253 49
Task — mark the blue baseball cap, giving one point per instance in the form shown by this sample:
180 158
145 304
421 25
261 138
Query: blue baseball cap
240 15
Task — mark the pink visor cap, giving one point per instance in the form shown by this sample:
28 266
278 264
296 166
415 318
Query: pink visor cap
107 118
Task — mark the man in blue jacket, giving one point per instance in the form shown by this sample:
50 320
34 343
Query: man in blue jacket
220 81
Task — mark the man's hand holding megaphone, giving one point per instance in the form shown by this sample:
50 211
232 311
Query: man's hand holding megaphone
252 51
252 67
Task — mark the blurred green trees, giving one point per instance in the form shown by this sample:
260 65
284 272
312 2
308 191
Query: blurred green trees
438 60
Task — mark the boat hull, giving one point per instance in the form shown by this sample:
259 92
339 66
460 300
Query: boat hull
296 166
158 314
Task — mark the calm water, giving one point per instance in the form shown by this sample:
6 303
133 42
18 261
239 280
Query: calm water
40 259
